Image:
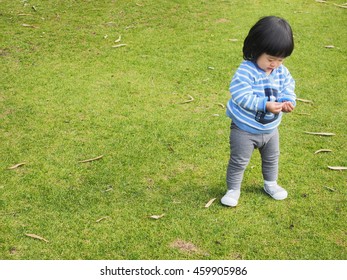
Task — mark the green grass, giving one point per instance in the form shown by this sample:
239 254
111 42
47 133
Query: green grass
66 95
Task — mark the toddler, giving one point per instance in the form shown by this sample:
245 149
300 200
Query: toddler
261 90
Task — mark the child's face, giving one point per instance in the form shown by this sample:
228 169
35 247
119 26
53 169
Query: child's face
268 62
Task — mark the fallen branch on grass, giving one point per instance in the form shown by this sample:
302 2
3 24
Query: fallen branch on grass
304 114
91 159
191 99
16 165
320 133
337 5
337 167
36 237
157 217
323 151
208 204
304 100
29 25
118 46
119 38
341 6
103 218
330 189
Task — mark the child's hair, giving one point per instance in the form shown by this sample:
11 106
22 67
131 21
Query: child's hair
271 35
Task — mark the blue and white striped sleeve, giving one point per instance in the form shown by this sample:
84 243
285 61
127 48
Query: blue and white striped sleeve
242 92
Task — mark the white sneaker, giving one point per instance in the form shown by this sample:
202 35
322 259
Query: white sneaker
275 191
231 198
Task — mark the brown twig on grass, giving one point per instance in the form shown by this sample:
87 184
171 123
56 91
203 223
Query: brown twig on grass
191 99
91 159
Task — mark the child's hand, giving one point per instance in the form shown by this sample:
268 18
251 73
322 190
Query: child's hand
287 107
274 107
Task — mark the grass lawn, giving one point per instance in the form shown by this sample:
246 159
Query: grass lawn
85 79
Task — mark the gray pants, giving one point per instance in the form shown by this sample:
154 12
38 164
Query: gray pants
242 145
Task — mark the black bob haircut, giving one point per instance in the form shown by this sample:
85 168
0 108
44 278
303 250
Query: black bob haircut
271 35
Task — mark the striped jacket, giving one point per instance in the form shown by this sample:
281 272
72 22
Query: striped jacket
250 89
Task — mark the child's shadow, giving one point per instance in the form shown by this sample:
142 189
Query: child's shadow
255 189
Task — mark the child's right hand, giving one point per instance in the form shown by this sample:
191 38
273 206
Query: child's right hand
287 107
274 107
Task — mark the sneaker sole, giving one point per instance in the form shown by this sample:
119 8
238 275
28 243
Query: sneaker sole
230 203
277 198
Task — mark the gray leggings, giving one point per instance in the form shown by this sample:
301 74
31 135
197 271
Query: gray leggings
242 145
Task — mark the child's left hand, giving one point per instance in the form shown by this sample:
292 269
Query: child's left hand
287 107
